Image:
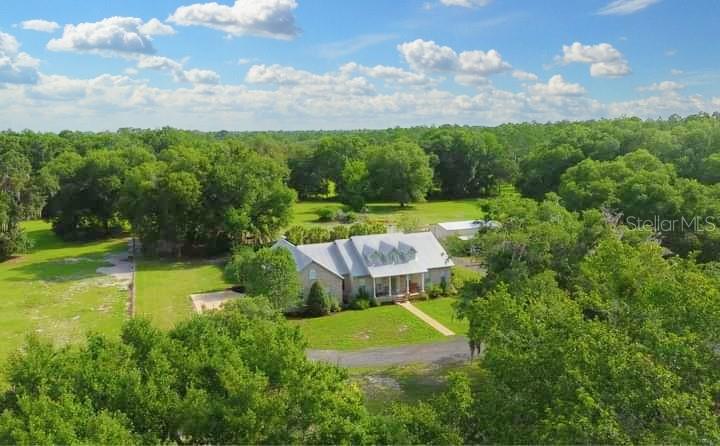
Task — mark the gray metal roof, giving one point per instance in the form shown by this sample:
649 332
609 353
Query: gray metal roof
379 255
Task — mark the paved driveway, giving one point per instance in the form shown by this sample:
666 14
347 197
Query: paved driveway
456 350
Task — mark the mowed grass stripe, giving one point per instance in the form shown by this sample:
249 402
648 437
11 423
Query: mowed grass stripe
386 325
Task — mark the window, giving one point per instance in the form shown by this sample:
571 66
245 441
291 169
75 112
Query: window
312 274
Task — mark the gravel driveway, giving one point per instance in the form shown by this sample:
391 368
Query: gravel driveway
456 350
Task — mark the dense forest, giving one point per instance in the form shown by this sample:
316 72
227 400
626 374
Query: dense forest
591 327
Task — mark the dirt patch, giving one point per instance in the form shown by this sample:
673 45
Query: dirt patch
120 271
212 301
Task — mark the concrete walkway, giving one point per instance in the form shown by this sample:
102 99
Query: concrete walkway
427 319
456 350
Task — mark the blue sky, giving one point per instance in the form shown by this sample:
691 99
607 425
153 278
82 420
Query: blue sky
311 64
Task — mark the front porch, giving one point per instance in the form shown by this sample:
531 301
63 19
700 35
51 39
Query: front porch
398 286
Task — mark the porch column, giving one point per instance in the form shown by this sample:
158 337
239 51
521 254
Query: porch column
407 284
390 290
422 282
374 296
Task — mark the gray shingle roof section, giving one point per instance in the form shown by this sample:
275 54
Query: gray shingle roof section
301 260
429 253
379 255
326 255
352 259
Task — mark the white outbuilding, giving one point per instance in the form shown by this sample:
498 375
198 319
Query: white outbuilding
465 230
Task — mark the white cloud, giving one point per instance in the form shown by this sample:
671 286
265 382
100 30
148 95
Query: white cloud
296 99
43 26
676 72
196 76
263 18
624 7
388 74
469 67
155 27
16 67
110 36
604 59
524 75
480 63
663 86
193 76
309 83
466 3
424 55
556 86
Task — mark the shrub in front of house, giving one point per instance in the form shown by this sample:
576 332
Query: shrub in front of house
363 301
319 302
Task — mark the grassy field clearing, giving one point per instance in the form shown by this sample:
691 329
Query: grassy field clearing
443 311
164 287
375 327
425 213
54 291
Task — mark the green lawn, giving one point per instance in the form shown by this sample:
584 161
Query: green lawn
55 292
375 327
426 213
442 310
163 288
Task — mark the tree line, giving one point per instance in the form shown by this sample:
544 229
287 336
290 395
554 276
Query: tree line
184 192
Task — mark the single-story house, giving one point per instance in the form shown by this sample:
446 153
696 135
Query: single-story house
386 266
465 230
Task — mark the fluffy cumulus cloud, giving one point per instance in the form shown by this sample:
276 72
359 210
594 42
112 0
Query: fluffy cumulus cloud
111 36
524 75
557 86
274 97
263 18
469 67
16 67
662 86
604 59
392 75
289 78
466 3
177 70
625 7
155 27
43 26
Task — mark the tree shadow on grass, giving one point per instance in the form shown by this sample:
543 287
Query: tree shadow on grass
44 239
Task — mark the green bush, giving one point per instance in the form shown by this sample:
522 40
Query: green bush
434 291
360 303
319 302
346 217
317 234
461 277
339 232
325 214
363 300
296 235
235 268
457 247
